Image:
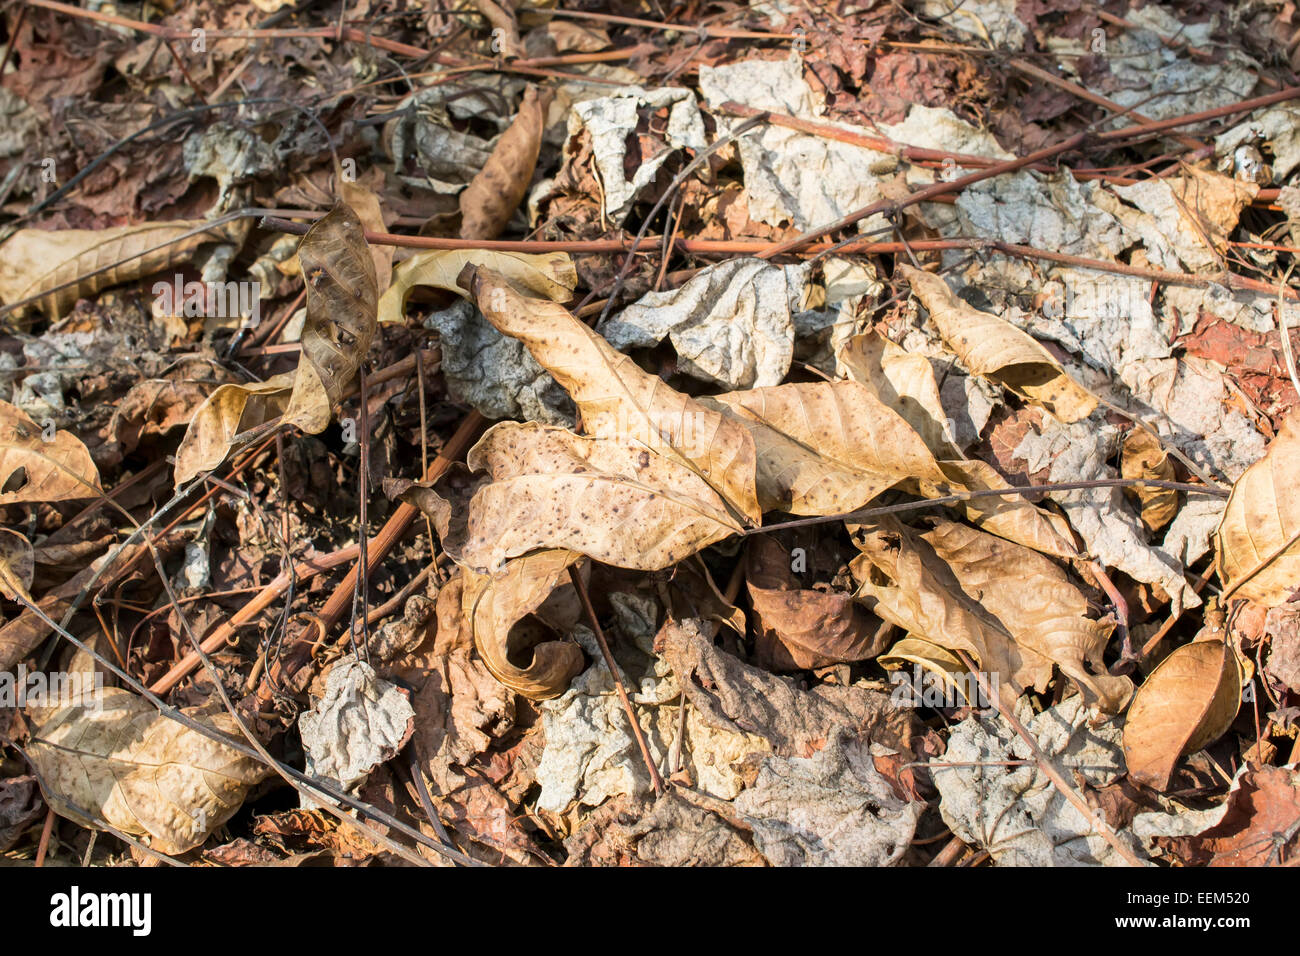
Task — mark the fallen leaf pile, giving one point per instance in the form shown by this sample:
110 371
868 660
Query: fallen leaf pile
598 441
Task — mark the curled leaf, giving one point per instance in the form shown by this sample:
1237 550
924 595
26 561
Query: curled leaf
1187 702
40 464
521 658
1144 458
550 275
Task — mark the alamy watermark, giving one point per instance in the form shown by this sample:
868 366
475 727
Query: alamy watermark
923 687
209 299
24 688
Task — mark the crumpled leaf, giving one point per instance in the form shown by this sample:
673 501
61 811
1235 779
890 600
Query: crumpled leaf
731 323
1015 611
619 504
550 275
831 809
17 565
997 350
1257 544
493 605
37 260
1143 457
494 194
113 754
1015 812
617 399
1256 826
361 722
1187 702
672 832
799 628
342 298
35 470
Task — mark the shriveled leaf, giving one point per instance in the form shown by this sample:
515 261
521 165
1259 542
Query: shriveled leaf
1188 701
1258 827
492 197
549 275
35 470
617 399
797 627
1258 540
368 209
113 754
35 261
1144 458
342 299
17 565
494 605
619 504
1012 609
995 349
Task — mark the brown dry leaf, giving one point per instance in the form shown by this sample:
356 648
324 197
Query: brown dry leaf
494 605
617 399
17 565
230 411
492 197
1143 457
1013 610
342 300
113 754
1258 540
905 382
619 504
366 205
1187 702
20 636
1258 829
550 275
34 470
800 628
826 448
505 28
37 260
995 349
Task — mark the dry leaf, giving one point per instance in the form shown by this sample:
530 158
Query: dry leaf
112 754
17 565
1258 541
619 504
492 197
1144 457
37 260
1000 352
494 605
1258 827
550 275
1187 702
341 306
800 628
617 399
34 470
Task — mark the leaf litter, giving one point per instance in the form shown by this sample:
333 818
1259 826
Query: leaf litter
709 451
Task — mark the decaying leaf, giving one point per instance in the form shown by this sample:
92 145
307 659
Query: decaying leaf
617 399
492 197
1188 701
1256 826
998 351
35 261
113 754
342 298
1257 543
360 722
527 661
39 464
